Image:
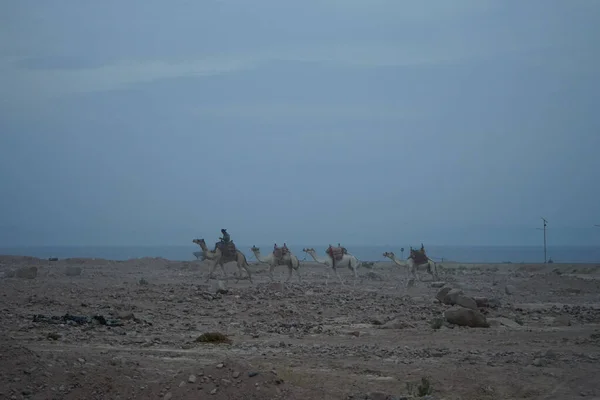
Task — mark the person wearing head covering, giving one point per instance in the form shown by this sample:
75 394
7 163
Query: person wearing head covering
225 238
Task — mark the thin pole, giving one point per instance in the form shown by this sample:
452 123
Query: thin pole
545 222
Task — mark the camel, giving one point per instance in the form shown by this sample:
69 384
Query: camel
288 259
219 259
348 260
429 264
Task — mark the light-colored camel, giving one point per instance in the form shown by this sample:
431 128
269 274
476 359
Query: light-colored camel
430 265
348 260
217 258
289 259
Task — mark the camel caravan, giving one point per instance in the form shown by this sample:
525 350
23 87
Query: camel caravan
225 251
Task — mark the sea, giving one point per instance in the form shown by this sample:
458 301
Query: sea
463 254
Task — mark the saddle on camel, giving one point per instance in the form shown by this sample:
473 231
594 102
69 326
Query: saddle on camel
226 245
336 253
418 256
280 252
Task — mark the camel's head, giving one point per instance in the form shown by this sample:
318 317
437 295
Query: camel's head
255 249
199 242
309 250
388 254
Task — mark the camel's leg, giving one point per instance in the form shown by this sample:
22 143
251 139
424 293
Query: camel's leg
289 273
299 276
223 269
245 267
339 277
271 268
211 270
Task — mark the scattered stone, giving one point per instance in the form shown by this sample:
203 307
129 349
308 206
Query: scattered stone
396 323
252 374
214 391
562 320
441 295
192 378
26 272
275 287
506 322
482 302
53 336
221 365
168 396
437 284
236 375
509 289
538 362
376 396
219 287
466 317
71 270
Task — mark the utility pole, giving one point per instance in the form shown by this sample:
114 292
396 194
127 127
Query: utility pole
545 223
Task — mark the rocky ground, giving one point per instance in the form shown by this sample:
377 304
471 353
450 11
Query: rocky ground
125 330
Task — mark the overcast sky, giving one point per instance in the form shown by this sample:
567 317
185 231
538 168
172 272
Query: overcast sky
362 122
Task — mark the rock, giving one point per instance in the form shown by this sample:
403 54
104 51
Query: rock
192 378
437 284
538 362
275 287
466 317
451 296
72 271
221 365
466 302
373 276
236 375
507 322
214 391
26 272
481 302
562 320
126 315
168 396
396 323
494 303
218 287
252 374
441 295
509 289
376 396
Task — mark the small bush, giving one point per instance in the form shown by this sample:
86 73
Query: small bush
436 323
213 337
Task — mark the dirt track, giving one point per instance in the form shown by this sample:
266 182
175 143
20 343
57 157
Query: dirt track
302 341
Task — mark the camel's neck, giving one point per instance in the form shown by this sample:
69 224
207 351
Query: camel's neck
398 262
258 257
325 261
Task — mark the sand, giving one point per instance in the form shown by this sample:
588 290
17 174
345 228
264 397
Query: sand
295 341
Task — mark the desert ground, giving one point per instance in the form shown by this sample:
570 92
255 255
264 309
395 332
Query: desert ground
131 329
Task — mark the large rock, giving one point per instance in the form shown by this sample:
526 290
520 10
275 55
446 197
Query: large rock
72 270
466 302
441 295
26 272
452 296
466 317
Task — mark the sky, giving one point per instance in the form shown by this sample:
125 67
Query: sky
354 121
